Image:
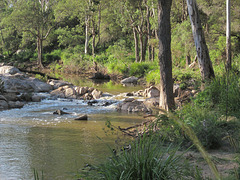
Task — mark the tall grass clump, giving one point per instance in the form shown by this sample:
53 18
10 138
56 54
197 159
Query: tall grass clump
147 158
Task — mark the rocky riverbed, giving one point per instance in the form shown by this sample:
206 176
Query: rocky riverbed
18 88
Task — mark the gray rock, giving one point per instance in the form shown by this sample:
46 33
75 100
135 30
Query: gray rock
96 94
21 83
15 104
82 117
128 100
131 79
58 83
11 96
151 92
60 112
9 70
134 106
36 98
3 105
152 102
3 98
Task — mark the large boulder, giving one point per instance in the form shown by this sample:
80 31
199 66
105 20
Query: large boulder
3 105
59 92
130 80
151 92
152 102
133 106
83 117
58 83
96 94
15 104
9 70
19 82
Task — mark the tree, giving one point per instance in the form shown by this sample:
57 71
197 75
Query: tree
204 61
228 36
33 17
165 59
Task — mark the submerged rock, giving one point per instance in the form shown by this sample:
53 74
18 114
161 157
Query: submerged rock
83 117
60 112
133 106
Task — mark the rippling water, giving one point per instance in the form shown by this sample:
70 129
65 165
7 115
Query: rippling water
34 138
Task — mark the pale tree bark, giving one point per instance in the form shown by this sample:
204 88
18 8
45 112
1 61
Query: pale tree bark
204 61
86 34
165 58
228 36
149 34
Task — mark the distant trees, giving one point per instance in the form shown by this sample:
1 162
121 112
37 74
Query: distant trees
35 18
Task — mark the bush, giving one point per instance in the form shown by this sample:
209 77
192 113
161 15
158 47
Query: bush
153 76
147 158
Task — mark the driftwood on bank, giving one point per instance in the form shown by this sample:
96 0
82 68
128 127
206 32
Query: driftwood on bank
135 130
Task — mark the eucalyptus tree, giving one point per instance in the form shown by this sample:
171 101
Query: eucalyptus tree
165 58
204 61
228 35
35 18
88 14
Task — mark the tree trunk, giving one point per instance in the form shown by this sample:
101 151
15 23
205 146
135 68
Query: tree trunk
86 34
228 36
165 59
149 34
141 46
136 45
93 39
204 61
39 49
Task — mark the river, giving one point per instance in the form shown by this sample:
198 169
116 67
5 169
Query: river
59 146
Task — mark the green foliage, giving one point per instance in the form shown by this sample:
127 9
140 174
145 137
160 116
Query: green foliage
207 112
182 43
36 176
153 77
42 78
117 67
139 69
53 56
223 93
146 158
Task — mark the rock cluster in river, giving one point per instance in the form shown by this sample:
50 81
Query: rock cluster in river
66 90
151 97
18 88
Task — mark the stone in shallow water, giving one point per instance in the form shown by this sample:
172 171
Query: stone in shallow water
83 117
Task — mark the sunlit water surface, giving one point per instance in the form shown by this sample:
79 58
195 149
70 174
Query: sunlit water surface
34 138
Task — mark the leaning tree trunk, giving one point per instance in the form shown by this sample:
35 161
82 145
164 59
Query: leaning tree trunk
39 49
165 59
228 36
204 61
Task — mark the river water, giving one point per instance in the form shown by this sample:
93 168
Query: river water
34 138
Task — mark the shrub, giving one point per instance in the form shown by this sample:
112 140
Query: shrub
147 158
153 76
